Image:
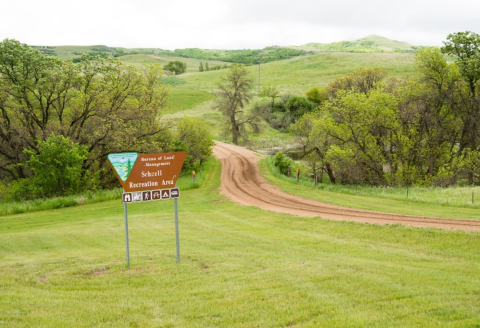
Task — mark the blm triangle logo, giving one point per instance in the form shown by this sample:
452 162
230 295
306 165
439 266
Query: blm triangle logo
123 164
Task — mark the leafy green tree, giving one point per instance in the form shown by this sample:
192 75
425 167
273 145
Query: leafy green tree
101 104
270 92
234 92
429 117
195 135
57 167
362 81
206 67
282 162
466 47
316 95
311 132
363 126
177 67
298 106
200 68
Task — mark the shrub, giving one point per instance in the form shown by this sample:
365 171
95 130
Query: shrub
282 162
57 168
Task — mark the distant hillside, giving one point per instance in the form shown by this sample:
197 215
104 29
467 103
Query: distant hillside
245 56
218 59
371 43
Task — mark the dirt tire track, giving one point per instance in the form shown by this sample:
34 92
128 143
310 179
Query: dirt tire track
242 182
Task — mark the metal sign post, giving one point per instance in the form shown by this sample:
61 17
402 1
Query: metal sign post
126 233
177 235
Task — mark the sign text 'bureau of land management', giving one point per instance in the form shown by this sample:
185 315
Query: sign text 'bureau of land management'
146 177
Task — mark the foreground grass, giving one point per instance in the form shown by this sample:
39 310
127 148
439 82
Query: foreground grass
241 267
370 200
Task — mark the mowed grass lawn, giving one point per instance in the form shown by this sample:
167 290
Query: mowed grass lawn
241 267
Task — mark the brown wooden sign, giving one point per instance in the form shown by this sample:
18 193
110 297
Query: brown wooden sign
150 171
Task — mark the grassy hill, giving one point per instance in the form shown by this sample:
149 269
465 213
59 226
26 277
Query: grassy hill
297 75
368 44
292 76
129 56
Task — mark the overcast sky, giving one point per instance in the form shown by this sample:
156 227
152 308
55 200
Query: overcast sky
231 24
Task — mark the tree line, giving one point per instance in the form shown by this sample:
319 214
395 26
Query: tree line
246 56
368 128
423 130
59 120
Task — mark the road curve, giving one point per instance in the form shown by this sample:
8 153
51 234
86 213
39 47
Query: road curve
242 182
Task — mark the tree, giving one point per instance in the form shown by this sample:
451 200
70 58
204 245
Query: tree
177 67
428 116
298 106
363 127
311 135
195 135
233 94
466 47
270 92
99 103
206 67
200 68
317 96
282 162
57 166
362 81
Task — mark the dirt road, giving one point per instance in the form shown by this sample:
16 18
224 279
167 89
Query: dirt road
242 182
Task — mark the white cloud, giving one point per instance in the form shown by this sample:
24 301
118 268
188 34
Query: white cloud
229 24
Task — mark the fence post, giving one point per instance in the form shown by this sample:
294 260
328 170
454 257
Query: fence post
193 175
298 174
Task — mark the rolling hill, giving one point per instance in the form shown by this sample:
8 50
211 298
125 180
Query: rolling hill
368 44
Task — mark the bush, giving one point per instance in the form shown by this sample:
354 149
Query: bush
57 169
299 106
177 67
195 138
282 162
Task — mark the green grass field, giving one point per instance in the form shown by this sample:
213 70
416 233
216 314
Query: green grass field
182 99
295 76
241 267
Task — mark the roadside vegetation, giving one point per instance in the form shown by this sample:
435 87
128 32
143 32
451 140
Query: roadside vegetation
454 202
59 121
367 129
